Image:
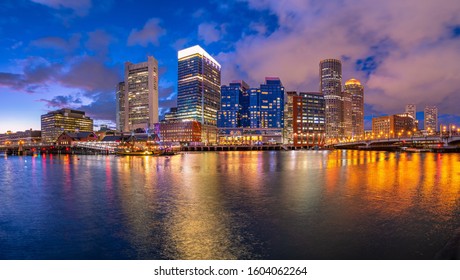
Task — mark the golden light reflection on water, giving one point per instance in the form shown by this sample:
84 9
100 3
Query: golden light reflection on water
396 182
136 177
199 226
243 205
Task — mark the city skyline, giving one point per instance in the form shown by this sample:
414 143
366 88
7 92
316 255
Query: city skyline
69 57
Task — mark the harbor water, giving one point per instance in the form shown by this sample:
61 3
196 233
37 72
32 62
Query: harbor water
229 205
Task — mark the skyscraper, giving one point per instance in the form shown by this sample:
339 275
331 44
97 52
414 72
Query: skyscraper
198 89
140 95
431 119
54 123
356 90
120 92
330 71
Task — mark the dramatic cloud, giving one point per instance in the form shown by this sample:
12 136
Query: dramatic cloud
102 107
11 80
62 101
150 34
429 76
90 74
36 73
80 7
403 51
209 32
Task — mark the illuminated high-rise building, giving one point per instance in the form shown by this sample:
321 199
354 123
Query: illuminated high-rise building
254 107
330 71
346 121
120 95
271 103
356 90
198 90
431 119
140 95
304 119
234 106
54 123
266 104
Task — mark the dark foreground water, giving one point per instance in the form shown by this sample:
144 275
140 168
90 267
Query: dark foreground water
229 205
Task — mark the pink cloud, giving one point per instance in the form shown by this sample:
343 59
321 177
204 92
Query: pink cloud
89 74
418 62
209 32
149 34
99 41
58 43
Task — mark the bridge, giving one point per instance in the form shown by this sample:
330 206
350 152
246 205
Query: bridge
414 141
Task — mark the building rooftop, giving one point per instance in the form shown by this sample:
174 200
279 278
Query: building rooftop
196 50
353 82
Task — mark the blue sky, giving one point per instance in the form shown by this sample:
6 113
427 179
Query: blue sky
63 53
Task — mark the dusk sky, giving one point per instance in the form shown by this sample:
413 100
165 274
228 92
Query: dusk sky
66 53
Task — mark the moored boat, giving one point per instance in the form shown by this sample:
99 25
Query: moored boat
133 153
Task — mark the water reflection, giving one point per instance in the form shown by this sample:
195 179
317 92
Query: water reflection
230 205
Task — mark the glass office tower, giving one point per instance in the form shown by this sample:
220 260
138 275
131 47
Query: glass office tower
198 88
234 106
